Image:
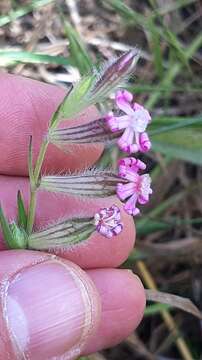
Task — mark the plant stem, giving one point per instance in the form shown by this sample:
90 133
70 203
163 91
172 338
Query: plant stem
40 159
33 189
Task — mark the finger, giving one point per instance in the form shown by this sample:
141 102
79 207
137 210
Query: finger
123 302
39 321
98 251
26 106
35 317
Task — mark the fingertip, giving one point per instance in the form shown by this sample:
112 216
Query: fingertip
123 302
34 316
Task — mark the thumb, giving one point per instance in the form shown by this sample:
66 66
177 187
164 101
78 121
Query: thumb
48 307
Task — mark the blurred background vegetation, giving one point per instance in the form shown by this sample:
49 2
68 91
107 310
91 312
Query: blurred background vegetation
56 42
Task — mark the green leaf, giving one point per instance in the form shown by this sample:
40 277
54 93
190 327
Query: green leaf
155 44
152 226
165 124
128 14
173 6
172 300
8 57
74 102
145 23
155 309
22 215
184 144
78 51
180 52
7 233
172 72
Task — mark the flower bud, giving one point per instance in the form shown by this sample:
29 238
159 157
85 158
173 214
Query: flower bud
96 183
62 234
115 72
96 131
108 221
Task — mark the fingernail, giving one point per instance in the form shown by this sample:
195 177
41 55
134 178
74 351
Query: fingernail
50 311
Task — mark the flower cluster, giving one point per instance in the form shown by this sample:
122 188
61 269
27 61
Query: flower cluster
138 187
133 121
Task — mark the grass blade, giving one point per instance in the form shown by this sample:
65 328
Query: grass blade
180 144
78 51
10 57
155 309
176 123
155 45
173 301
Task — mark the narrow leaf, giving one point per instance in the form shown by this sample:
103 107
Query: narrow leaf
155 44
10 57
174 42
180 144
7 233
74 102
155 309
173 301
78 51
22 215
164 124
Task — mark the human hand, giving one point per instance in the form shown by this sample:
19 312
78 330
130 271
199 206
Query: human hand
50 308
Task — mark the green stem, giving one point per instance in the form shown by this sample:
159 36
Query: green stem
33 188
40 159
31 213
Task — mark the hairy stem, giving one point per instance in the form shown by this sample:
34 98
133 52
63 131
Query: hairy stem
40 159
33 189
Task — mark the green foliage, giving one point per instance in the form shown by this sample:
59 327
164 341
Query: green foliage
155 309
22 215
181 144
79 54
7 233
74 102
9 57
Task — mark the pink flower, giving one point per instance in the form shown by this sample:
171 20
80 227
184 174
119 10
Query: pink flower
134 122
138 187
108 221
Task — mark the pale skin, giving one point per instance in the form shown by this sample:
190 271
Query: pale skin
48 305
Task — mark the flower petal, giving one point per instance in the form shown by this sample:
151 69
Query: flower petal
124 190
130 206
144 142
123 99
126 139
